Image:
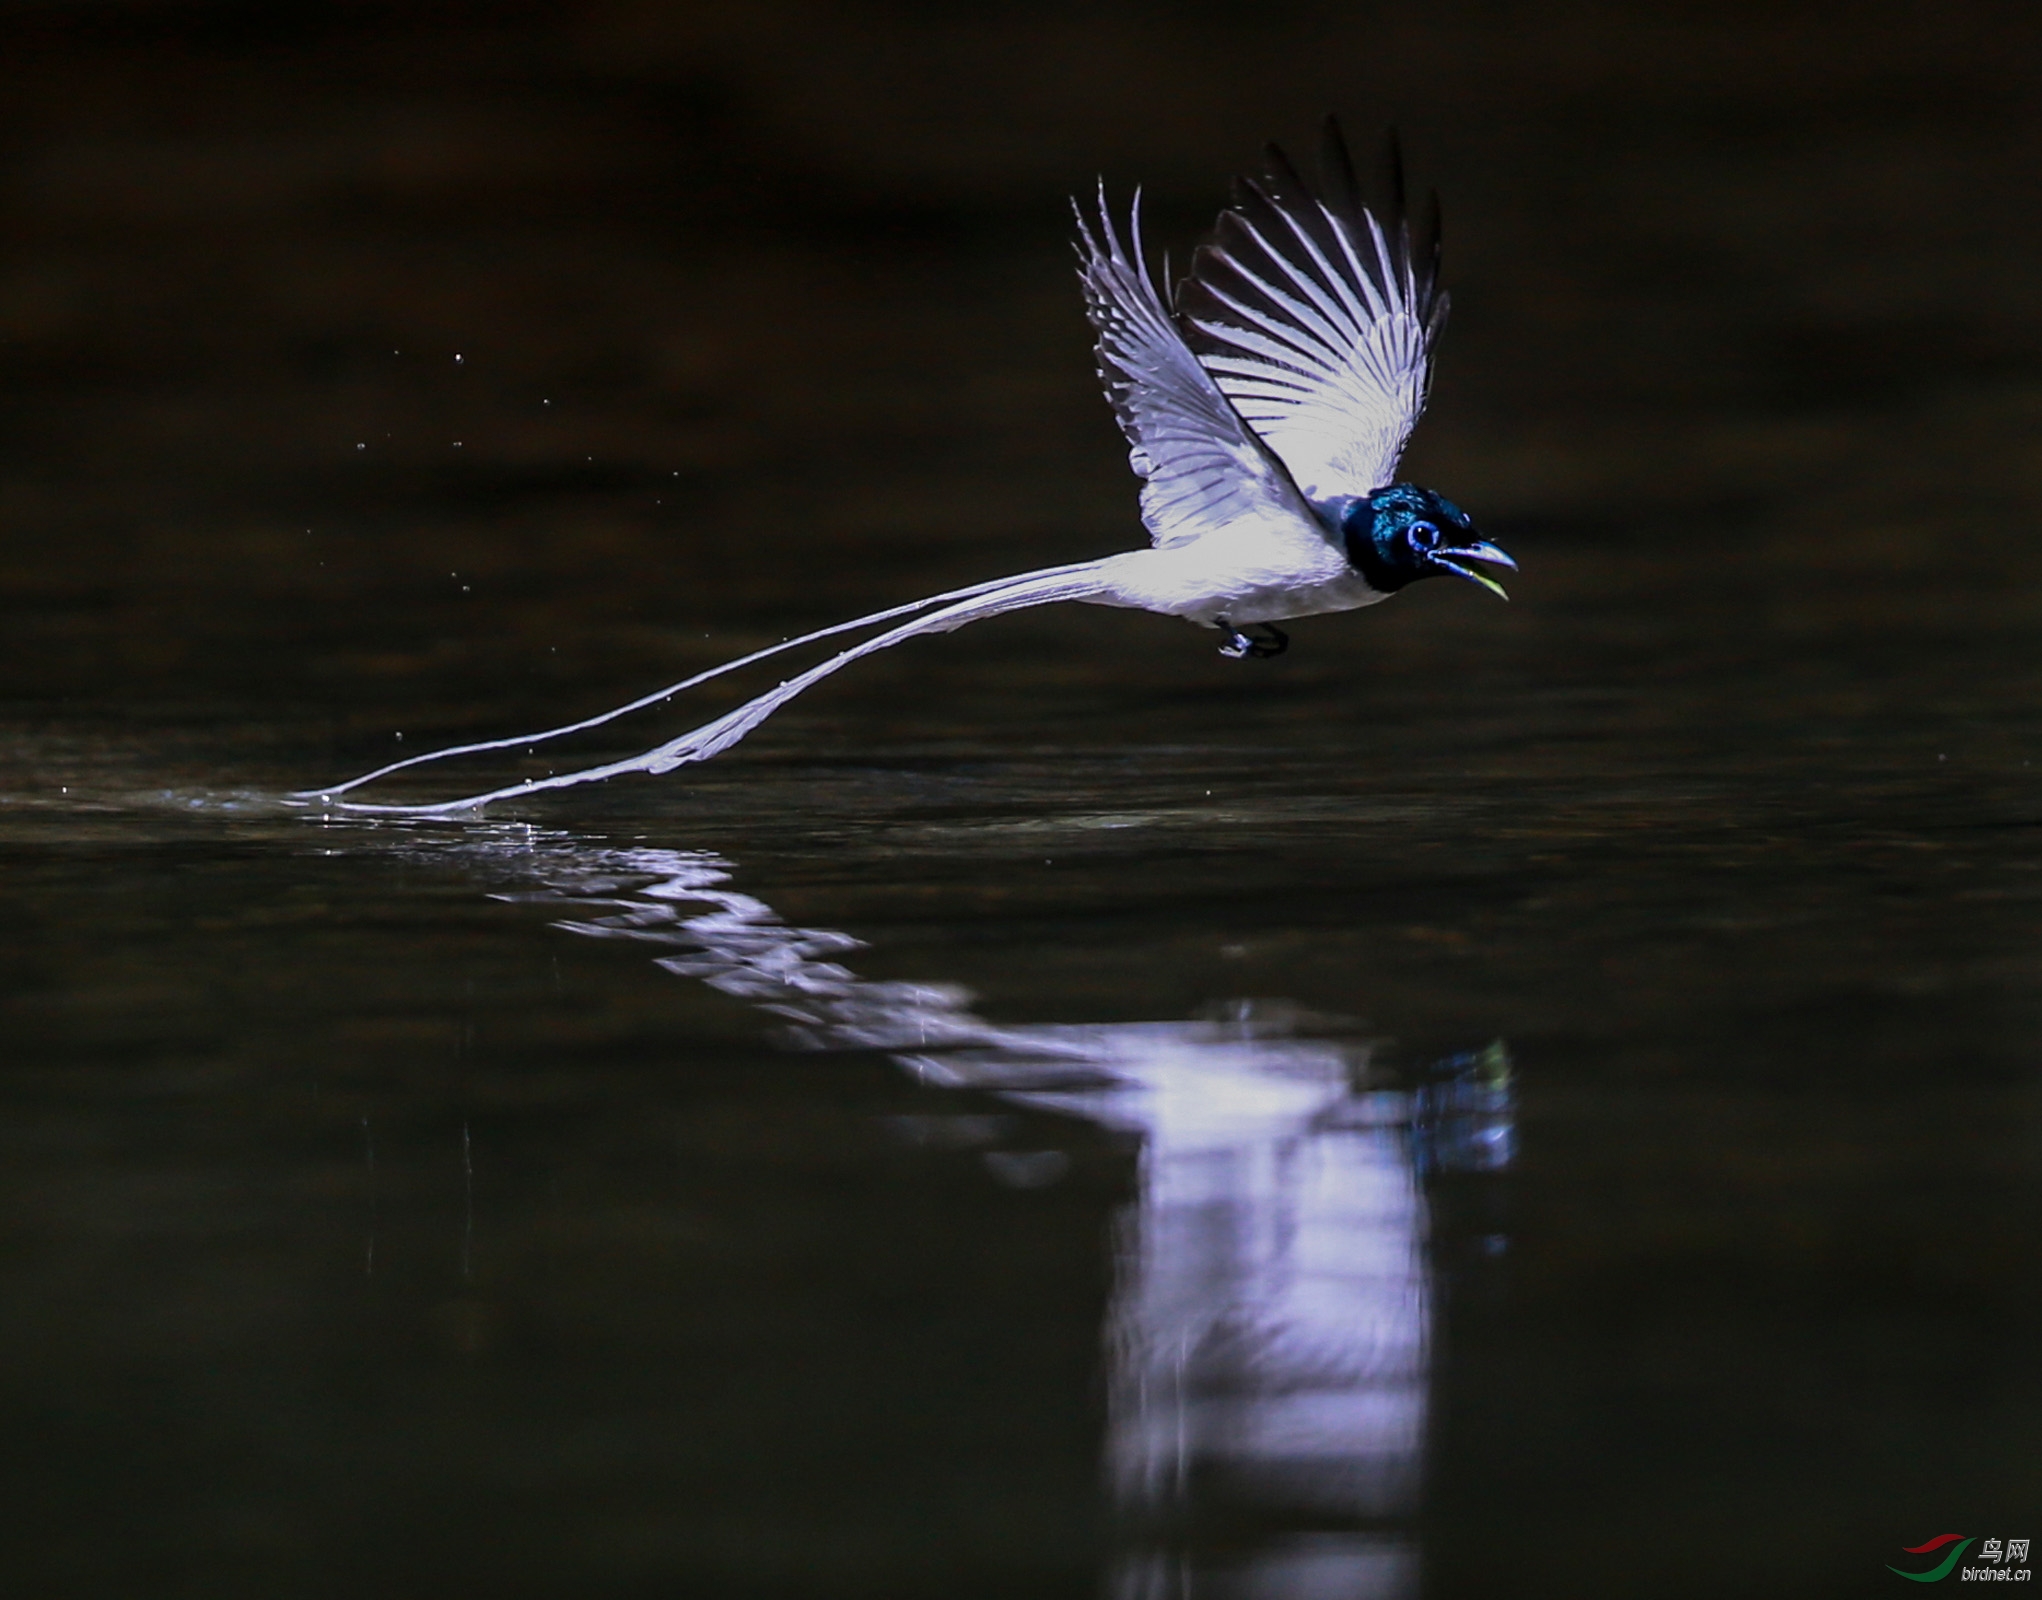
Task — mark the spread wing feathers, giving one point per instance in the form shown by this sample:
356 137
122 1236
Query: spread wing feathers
1201 466
1316 314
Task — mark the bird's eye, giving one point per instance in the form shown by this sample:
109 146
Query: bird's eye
1424 535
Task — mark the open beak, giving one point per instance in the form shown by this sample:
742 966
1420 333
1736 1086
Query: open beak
1451 560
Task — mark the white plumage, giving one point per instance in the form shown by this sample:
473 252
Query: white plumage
1318 320
1262 409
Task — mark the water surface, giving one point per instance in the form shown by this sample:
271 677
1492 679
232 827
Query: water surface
1504 1100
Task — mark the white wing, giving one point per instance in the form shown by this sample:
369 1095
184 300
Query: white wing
1317 316
1202 468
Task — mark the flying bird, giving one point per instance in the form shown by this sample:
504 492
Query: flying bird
1266 401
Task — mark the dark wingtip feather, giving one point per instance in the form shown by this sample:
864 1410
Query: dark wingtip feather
1336 166
1337 184
1390 183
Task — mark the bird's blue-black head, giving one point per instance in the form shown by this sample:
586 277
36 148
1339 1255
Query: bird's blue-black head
1403 533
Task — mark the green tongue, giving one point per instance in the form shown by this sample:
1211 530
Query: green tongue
1473 576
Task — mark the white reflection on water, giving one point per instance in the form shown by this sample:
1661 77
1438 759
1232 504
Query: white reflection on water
1269 1334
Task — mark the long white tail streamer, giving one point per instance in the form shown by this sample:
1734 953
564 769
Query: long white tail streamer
1077 582
332 790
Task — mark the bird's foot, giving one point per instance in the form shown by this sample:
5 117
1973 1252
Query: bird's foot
1271 641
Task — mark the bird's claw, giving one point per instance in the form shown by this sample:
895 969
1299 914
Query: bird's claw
1272 641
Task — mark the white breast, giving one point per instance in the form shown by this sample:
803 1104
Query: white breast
1245 573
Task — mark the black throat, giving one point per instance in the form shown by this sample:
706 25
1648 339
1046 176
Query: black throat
1357 536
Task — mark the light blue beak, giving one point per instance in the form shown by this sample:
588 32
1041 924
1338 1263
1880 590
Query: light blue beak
1482 551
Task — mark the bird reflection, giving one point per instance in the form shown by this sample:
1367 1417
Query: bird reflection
1268 1342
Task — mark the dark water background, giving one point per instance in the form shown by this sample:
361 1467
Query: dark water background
457 369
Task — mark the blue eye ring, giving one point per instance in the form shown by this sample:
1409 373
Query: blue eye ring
1423 535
